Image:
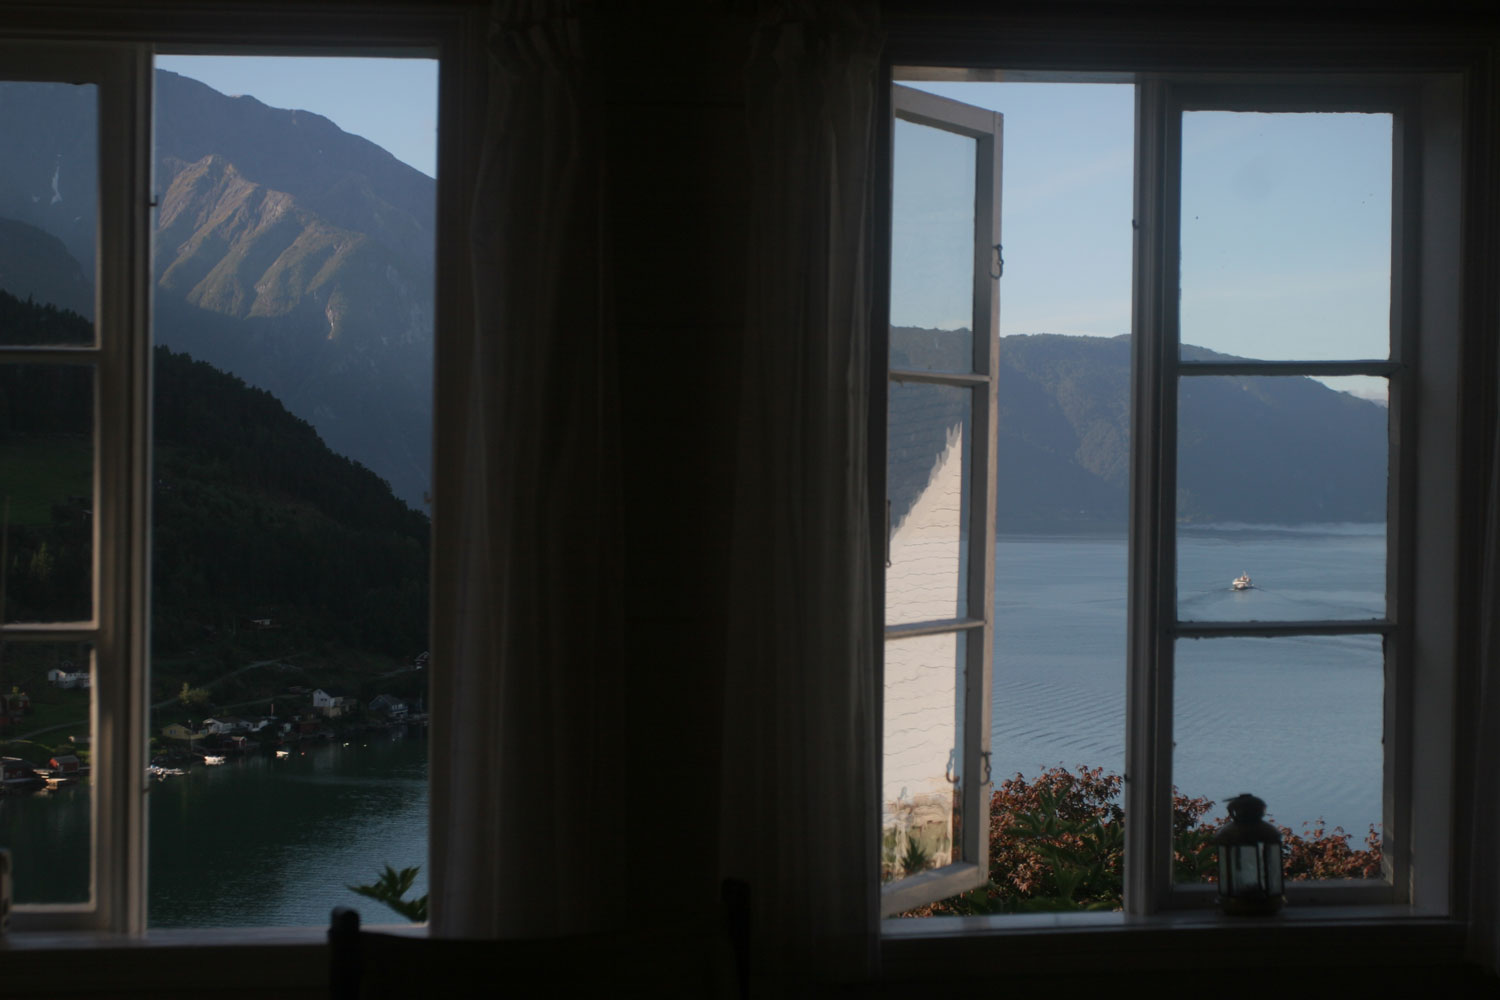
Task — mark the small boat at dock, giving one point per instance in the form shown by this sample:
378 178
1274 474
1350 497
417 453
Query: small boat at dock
213 759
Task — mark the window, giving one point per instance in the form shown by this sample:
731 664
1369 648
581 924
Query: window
1214 690
99 644
940 503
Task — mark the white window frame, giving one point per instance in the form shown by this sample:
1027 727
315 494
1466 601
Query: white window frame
119 357
1418 511
116 51
974 779
1419 799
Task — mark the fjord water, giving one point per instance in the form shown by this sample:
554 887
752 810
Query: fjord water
1295 720
253 842
276 842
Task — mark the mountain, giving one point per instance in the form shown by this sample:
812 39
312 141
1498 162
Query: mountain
287 251
1282 450
253 515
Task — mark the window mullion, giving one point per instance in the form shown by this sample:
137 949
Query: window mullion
1148 738
122 489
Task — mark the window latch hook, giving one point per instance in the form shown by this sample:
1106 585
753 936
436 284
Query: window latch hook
997 264
949 769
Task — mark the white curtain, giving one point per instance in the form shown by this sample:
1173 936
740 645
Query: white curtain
537 668
800 795
1483 856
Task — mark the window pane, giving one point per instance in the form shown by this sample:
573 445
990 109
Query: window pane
923 779
1059 687
294 266
1281 498
1297 721
325 808
932 249
1286 235
48 207
45 815
927 486
47 479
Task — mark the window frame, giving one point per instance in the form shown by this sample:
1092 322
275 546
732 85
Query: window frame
1423 673
986 129
120 357
117 49
1153 623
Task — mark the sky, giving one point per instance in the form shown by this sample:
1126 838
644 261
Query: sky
1286 223
391 102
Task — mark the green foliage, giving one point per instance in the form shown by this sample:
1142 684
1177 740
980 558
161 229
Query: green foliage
254 517
1057 843
192 697
916 858
391 888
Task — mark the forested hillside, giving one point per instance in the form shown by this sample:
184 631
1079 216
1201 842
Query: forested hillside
254 517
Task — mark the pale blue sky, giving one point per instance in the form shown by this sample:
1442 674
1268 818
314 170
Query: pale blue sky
391 102
1286 223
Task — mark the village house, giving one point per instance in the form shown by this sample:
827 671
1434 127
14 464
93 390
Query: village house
66 764
388 705
67 678
330 705
177 731
14 772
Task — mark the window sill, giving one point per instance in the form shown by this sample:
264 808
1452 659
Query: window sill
1299 942
262 961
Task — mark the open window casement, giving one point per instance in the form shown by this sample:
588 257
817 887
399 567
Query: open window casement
97 192
940 497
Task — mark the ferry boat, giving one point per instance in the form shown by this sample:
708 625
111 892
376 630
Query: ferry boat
1241 582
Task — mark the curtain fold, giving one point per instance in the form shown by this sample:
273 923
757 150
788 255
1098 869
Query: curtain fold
538 667
1483 854
800 798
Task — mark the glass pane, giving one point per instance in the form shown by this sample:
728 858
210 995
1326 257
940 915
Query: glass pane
45 736
922 794
47 481
48 207
346 808
1281 498
1059 661
292 431
1286 235
932 249
1297 721
927 487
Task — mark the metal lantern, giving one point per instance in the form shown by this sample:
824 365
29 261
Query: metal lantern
1249 860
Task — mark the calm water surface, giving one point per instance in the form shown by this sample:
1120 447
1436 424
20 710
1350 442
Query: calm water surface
1297 721
252 842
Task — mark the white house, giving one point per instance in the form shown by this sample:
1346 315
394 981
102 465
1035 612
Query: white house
331 705
67 678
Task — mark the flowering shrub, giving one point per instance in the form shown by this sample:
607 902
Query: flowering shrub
1057 842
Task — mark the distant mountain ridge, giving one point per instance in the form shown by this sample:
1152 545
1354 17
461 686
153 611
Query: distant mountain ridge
1282 450
289 252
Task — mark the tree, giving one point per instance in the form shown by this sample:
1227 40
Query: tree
1057 842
